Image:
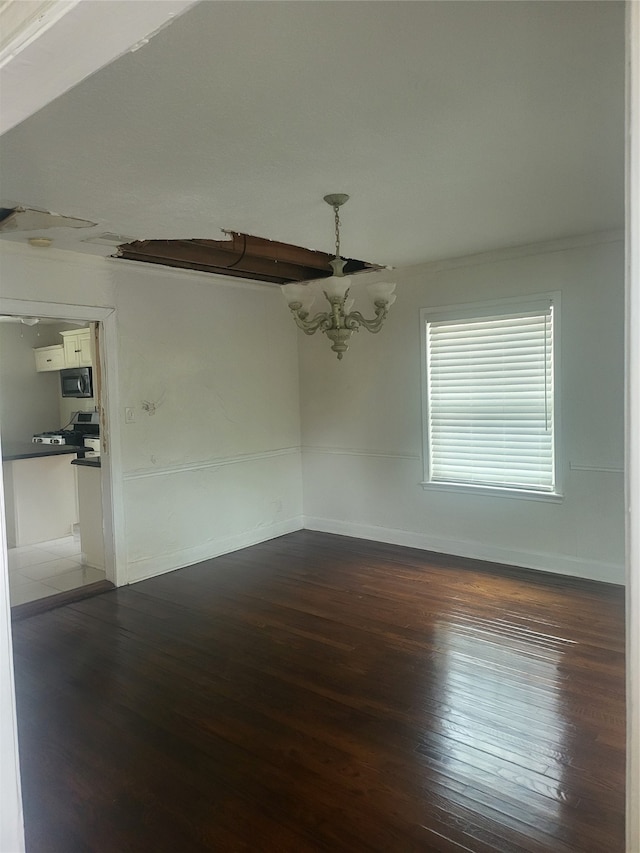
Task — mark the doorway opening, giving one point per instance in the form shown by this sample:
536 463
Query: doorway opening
50 412
57 462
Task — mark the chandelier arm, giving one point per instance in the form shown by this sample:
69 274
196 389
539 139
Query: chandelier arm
321 321
355 319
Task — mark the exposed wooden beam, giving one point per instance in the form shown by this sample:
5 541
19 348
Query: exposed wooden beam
243 256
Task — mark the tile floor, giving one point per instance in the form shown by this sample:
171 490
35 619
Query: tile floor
36 571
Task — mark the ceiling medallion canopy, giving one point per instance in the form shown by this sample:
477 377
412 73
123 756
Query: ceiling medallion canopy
339 322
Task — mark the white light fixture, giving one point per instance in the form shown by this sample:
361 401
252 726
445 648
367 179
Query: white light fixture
340 322
26 321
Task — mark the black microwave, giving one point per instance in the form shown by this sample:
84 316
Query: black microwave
76 382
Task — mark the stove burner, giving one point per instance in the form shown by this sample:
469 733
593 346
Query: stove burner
62 436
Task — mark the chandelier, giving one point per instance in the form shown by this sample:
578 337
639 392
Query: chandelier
339 322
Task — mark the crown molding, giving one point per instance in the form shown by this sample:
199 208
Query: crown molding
565 244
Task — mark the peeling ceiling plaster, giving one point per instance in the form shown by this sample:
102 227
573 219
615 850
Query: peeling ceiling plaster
26 219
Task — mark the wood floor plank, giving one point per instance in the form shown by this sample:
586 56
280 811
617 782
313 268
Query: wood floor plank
321 693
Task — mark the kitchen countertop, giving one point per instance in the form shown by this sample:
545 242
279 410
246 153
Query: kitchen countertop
13 450
87 462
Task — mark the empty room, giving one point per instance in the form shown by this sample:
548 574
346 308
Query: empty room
314 411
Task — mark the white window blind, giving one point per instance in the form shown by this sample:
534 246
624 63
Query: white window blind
490 400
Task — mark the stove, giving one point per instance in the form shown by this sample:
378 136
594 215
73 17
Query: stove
63 436
85 425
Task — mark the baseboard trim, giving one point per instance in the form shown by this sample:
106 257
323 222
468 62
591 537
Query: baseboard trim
150 567
557 563
561 564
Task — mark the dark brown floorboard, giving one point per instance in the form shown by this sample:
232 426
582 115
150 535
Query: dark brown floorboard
321 693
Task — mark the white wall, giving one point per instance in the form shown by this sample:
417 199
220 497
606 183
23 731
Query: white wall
217 466
28 400
361 420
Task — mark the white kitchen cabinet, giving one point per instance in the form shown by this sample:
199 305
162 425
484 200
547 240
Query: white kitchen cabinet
41 499
77 348
90 515
49 358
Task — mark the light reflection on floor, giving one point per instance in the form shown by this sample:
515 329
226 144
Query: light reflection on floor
37 571
479 675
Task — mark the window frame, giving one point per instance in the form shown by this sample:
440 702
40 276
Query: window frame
478 310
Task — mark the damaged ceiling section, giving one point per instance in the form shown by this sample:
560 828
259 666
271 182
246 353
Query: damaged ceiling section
35 219
241 256
235 254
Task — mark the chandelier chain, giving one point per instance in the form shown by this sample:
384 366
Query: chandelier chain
336 211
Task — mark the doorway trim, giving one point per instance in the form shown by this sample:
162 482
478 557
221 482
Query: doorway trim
632 423
112 485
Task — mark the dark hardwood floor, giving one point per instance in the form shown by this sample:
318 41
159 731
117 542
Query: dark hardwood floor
321 693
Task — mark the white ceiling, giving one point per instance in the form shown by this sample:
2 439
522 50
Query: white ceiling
456 127
48 46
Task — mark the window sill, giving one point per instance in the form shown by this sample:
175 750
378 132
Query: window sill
493 492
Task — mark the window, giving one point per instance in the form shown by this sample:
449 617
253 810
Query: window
490 417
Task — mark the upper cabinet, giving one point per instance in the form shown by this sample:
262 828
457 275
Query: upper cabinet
75 351
49 358
77 348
